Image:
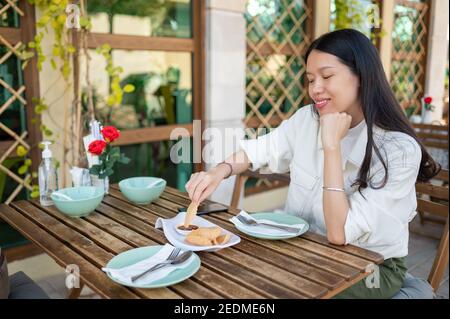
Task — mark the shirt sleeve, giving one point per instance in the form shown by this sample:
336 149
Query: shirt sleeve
380 215
274 150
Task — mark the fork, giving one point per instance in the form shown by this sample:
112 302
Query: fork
252 222
173 255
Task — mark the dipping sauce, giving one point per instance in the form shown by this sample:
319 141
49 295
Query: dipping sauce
190 227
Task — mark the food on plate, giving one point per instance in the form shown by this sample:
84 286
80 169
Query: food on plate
207 232
191 211
198 240
207 236
222 239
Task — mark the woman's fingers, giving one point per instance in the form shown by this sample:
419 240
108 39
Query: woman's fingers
208 191
192 184
201 186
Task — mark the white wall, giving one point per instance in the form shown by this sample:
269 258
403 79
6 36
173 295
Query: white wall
225 81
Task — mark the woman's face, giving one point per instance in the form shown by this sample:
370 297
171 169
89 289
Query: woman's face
332 85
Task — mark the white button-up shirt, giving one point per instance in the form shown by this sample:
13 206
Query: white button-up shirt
378 220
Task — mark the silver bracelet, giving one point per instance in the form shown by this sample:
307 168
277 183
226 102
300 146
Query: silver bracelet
333 189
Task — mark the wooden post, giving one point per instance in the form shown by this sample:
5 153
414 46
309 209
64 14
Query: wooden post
387 25
321 14
437 55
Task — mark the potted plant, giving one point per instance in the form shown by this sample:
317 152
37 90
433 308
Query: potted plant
108 155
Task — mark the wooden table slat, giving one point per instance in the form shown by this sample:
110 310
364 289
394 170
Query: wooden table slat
316 290
316 260
89 273
350 249
80 243
323 250
346 271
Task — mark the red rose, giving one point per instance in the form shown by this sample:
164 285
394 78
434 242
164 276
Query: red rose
97 147
428 100
110 133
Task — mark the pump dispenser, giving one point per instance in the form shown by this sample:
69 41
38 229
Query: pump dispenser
48 177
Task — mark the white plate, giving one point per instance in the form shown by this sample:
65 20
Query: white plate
177 239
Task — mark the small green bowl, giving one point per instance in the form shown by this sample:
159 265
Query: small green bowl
77 201
142 190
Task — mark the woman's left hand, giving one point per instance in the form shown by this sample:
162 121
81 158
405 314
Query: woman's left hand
334 127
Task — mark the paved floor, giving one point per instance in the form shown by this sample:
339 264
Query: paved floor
424 240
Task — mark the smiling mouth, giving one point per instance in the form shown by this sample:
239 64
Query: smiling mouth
321 103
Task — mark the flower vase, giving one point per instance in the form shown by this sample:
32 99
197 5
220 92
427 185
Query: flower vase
427 117
101 182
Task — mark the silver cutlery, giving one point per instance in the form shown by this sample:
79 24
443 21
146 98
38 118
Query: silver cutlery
174 260
252 222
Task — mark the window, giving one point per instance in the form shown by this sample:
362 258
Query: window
158 45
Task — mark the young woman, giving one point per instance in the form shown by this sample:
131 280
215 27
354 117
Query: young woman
352 155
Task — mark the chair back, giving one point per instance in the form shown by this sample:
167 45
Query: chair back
432 205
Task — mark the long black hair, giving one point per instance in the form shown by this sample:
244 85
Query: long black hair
379 104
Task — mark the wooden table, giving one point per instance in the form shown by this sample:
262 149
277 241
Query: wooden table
302 267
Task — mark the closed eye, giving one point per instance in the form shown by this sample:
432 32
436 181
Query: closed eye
327 77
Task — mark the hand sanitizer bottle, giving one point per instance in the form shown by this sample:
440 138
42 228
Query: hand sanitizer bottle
48 178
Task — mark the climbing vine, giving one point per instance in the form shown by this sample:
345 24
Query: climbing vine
52 21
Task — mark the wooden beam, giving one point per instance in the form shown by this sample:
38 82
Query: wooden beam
136 42
321 12
151 134
387 25
12 35
199 86
31 81
254 122
287 49
431 127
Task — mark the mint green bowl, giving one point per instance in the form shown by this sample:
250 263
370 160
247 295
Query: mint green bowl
77 201
142 190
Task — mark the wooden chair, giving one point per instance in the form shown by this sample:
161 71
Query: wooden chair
440 261
432 201
433 135
434 208
243 177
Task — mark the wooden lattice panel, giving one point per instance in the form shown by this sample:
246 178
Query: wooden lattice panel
409 40
278 35
16 95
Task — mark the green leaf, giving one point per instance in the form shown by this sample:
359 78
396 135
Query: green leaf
106 47
21 151
128 88
123 159
94 170
34 194
22 169
109 164
27 162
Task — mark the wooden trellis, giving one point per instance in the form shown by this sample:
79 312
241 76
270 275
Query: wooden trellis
278 34
12 39
409 43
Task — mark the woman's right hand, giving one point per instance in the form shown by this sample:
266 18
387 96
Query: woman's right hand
203 184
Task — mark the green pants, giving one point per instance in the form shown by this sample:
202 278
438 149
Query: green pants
383 285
